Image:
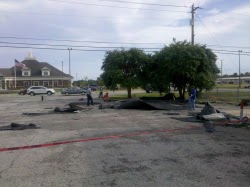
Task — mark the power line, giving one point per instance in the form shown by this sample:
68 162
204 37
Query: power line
87 17
206 28
153 4
237 54
59 49
112 6
108 42
89 46
77 41
61 45
96 50
228 13
229 51
229 46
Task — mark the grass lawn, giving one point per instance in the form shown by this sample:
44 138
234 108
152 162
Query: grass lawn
220 97
224 97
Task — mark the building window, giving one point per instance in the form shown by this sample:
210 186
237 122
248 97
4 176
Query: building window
35 83
26 84
45 73
55 83
25 73
46 83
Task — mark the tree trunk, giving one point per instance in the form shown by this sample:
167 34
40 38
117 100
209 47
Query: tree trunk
129 92
182 93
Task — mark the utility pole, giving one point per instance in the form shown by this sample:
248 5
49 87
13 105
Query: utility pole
193 9
69 61
239 68
221 72
239 77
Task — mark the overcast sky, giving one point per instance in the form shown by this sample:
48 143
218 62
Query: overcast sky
220 24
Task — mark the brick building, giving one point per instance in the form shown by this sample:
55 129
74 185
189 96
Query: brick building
34 73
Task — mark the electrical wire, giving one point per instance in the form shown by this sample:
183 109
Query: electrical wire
112 6
87 17
76 49
152 4
77 41
108 42
61 45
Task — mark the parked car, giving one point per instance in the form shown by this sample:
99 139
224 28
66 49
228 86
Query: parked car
22 92
35 90
74 90
93 87
248 86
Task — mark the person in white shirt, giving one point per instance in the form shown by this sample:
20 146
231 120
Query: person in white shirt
89 96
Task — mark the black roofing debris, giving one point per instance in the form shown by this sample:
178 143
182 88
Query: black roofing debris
214 117
135 103
207 110
17 126
67 110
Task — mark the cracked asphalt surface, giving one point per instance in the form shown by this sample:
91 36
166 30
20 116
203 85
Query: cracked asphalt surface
181 158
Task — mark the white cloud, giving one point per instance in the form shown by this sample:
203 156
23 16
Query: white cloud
83 22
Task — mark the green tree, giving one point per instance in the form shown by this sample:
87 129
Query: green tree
124 67
185 65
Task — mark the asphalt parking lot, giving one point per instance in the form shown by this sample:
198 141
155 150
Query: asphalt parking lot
117 147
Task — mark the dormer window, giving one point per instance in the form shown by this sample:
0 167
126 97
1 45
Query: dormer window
26 72
45 71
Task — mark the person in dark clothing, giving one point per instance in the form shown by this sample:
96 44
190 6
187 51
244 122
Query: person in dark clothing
89 97
192 99
101 93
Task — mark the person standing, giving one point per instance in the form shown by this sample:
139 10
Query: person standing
89 97
192 98
101 93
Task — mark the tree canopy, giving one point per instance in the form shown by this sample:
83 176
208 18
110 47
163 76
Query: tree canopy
180 64
124 67
187 65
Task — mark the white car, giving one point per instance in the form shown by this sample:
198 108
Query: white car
35 90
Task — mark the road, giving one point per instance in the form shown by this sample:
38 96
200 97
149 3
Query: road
146 157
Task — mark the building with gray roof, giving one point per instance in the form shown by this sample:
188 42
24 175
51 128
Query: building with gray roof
33 73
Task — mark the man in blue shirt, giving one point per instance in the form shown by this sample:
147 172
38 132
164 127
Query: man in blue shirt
192 98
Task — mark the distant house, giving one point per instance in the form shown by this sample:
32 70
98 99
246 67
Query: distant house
34 73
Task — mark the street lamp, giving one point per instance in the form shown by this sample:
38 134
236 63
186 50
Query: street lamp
221 72
69 61
62 74
239 67
239 77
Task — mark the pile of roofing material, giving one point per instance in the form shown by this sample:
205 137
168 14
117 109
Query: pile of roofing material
135 103
17 126
210 113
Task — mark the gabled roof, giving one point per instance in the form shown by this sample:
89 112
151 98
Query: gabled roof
25 68
36 69
6 72
45 68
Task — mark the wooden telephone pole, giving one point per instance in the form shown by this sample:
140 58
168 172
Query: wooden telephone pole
193 9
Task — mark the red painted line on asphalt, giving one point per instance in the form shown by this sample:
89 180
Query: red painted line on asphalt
93 139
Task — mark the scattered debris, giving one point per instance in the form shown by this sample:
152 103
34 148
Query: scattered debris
135 103
17 126
209 125
36 113
215 116
68 110
172 113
